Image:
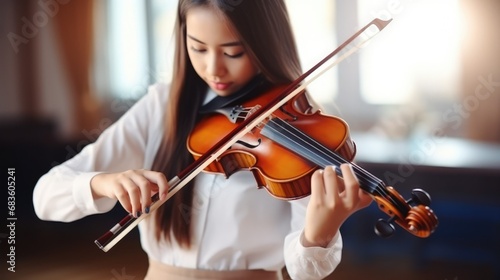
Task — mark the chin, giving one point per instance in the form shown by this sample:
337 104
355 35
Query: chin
223 93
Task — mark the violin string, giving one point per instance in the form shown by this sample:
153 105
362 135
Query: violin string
330 157
322 158
334 158
379 185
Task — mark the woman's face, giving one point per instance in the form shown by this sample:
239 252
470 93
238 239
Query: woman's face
216 53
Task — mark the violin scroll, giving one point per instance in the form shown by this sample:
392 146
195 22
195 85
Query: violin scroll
414 215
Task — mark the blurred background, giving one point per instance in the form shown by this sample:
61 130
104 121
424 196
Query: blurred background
422 101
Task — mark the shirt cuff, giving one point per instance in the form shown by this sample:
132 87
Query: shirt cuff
82 194
317 252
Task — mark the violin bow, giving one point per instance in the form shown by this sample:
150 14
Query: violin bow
122 228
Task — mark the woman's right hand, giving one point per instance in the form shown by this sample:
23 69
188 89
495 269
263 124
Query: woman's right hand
132 188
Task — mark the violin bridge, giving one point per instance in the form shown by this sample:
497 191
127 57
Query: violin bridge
237 113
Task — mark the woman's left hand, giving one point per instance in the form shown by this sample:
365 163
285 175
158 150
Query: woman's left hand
332 201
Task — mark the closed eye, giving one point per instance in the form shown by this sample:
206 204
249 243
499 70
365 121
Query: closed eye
235 55
198 50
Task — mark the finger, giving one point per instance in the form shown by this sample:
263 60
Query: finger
317 185
134 193
364 199
145 187
333 184
160 180
350 182
124 199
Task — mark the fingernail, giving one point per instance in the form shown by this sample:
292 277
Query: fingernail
147 210
138 214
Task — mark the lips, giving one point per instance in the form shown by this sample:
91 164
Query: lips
220 86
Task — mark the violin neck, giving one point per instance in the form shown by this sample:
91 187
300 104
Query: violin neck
288 136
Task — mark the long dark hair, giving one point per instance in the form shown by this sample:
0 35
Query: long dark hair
264 29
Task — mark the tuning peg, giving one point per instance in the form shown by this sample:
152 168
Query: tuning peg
420 197
384 228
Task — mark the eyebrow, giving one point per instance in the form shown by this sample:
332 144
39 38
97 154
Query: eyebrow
229 44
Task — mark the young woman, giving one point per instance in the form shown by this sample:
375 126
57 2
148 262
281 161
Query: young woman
215 227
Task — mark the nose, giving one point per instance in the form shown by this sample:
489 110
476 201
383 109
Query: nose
215 65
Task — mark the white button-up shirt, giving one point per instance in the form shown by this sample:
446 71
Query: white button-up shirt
235 225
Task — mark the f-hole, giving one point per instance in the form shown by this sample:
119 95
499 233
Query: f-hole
249 145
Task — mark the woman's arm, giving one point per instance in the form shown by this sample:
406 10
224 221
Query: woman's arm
65 193
313 250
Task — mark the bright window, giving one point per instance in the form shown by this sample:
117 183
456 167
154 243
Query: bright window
314 30
418 53
127 48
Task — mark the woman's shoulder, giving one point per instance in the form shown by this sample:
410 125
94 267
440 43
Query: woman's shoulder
159 91
151 103
154 98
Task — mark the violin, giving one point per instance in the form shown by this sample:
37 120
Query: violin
279 125
283 151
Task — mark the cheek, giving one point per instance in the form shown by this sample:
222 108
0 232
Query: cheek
247 70
196 62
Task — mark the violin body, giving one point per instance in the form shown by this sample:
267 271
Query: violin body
285 175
